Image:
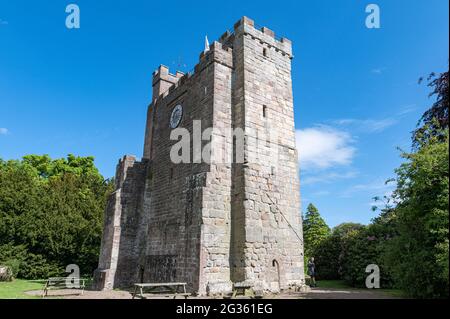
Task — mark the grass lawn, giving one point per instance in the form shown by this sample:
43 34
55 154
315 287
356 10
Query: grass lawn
397 293
340 284
16 289
336 284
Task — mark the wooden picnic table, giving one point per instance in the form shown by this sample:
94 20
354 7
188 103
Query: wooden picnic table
170 288
61 283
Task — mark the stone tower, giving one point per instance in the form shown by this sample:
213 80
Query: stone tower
213 223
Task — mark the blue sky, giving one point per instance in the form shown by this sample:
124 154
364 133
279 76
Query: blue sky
356 95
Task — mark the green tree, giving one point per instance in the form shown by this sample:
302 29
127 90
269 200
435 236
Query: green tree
418 254
362 247
342 230
326 256
330 252
315 230
51 214
434 121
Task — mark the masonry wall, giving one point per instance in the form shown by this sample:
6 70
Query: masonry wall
216 227
188 218
119 253
267 198
215 223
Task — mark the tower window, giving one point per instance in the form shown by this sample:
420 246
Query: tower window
265 52
264 111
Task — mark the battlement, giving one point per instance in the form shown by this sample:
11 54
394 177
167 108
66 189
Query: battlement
163 80
219 51
247 26
125 162
216 46
162 73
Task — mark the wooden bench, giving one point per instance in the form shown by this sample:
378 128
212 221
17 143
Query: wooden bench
61 283
169 289
242 289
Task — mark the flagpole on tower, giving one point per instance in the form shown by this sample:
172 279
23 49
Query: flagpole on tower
206 44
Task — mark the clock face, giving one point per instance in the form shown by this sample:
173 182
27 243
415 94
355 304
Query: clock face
177 114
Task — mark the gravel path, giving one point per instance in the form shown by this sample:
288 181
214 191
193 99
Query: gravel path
315 293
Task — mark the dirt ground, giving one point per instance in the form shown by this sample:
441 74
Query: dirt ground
315 293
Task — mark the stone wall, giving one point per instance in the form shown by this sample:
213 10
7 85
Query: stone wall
268 234
118 253
213 223
216 213
185 198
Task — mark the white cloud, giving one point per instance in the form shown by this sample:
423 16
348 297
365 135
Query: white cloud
328 177
374 125
3 131
321 193
323 147
374 188
407 109
378 70
368 125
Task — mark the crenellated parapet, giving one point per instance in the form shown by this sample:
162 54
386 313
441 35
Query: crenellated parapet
246 26
163 80
217 53
124 164
220 51
163 74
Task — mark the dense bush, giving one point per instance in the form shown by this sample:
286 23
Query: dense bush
329 254
364 247
327 258
349 249
51 214
419 253
27 265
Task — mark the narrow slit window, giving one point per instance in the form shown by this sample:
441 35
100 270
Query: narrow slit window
264 111
265 52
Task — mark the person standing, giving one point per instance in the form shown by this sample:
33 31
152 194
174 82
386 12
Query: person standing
312 272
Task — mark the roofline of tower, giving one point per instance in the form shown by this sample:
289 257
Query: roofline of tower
244 26
263 34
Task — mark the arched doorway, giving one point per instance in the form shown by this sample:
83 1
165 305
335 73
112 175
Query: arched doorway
276 266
